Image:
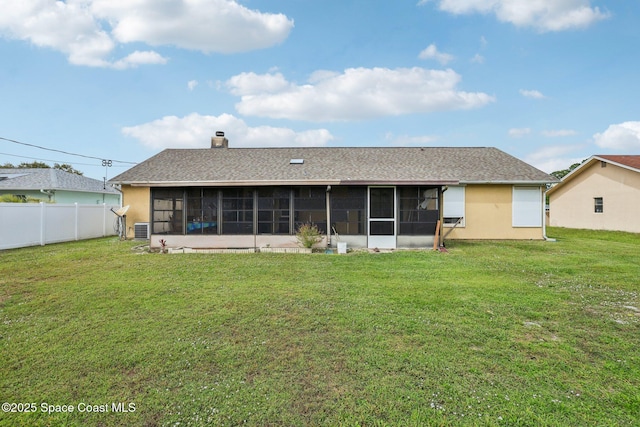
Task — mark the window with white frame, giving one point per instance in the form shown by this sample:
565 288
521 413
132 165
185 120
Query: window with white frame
527 207
598 205
453 206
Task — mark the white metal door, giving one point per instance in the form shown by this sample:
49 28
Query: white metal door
382 217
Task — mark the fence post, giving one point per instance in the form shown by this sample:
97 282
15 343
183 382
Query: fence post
42 223
104 219
77 219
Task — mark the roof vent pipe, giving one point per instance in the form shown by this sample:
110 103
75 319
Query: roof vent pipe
219 141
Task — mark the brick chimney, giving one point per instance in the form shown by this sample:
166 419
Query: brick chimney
219 141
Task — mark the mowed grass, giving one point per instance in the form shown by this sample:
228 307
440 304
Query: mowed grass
490 333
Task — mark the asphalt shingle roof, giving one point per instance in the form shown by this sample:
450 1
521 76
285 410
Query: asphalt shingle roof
49 179
228 166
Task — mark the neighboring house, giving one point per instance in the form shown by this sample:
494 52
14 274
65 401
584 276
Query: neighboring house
56 186
224 197
603 193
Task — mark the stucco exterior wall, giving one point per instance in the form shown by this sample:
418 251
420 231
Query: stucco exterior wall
488 215
139 201
572 204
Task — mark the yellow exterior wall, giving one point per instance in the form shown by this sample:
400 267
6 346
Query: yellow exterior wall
572 204
488 215
139 201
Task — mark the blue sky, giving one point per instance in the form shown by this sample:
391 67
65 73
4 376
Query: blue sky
551 82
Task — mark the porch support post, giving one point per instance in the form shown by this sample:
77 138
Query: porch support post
440 216
328 204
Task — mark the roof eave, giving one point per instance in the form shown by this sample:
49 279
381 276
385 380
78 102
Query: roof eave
263 183
509 182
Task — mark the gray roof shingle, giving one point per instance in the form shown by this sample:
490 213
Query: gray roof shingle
332 165
49 179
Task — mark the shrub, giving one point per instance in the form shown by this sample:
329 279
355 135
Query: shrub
11 198
308 235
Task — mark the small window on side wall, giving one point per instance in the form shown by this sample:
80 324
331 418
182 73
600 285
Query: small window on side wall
598 205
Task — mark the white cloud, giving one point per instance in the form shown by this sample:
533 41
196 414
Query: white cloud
88 31
519 132
543 15
620 137
534 94
357 93
195 131
68 27
139 58
251 83
191 84
477 59
431 52
205 25
559 133
555 158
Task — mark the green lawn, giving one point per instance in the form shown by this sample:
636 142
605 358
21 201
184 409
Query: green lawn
490 333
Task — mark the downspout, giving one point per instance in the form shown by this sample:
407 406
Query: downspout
49 193
544 218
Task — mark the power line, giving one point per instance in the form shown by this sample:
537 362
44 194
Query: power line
55 161
64 152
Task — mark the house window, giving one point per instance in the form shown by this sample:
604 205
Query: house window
167 210
274 210
527 207
598 205
418 210
237 211
453 206
310 207
348 210
202 211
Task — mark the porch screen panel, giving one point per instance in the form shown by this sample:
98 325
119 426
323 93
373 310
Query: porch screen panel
348 210
167 211
380 206
527 207
202 211
418 210
237 211
309 205
273 210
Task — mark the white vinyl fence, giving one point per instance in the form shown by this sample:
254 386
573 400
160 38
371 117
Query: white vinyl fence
31 224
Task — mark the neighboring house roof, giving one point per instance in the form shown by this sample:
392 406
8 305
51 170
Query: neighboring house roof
331 165
631 162
49 179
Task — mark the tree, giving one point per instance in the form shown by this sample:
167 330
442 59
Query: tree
67 168
41 165
33 165
562 173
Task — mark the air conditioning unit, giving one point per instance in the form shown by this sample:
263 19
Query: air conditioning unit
141 231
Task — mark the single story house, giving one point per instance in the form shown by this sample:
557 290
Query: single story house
222 197
56 186
603 193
